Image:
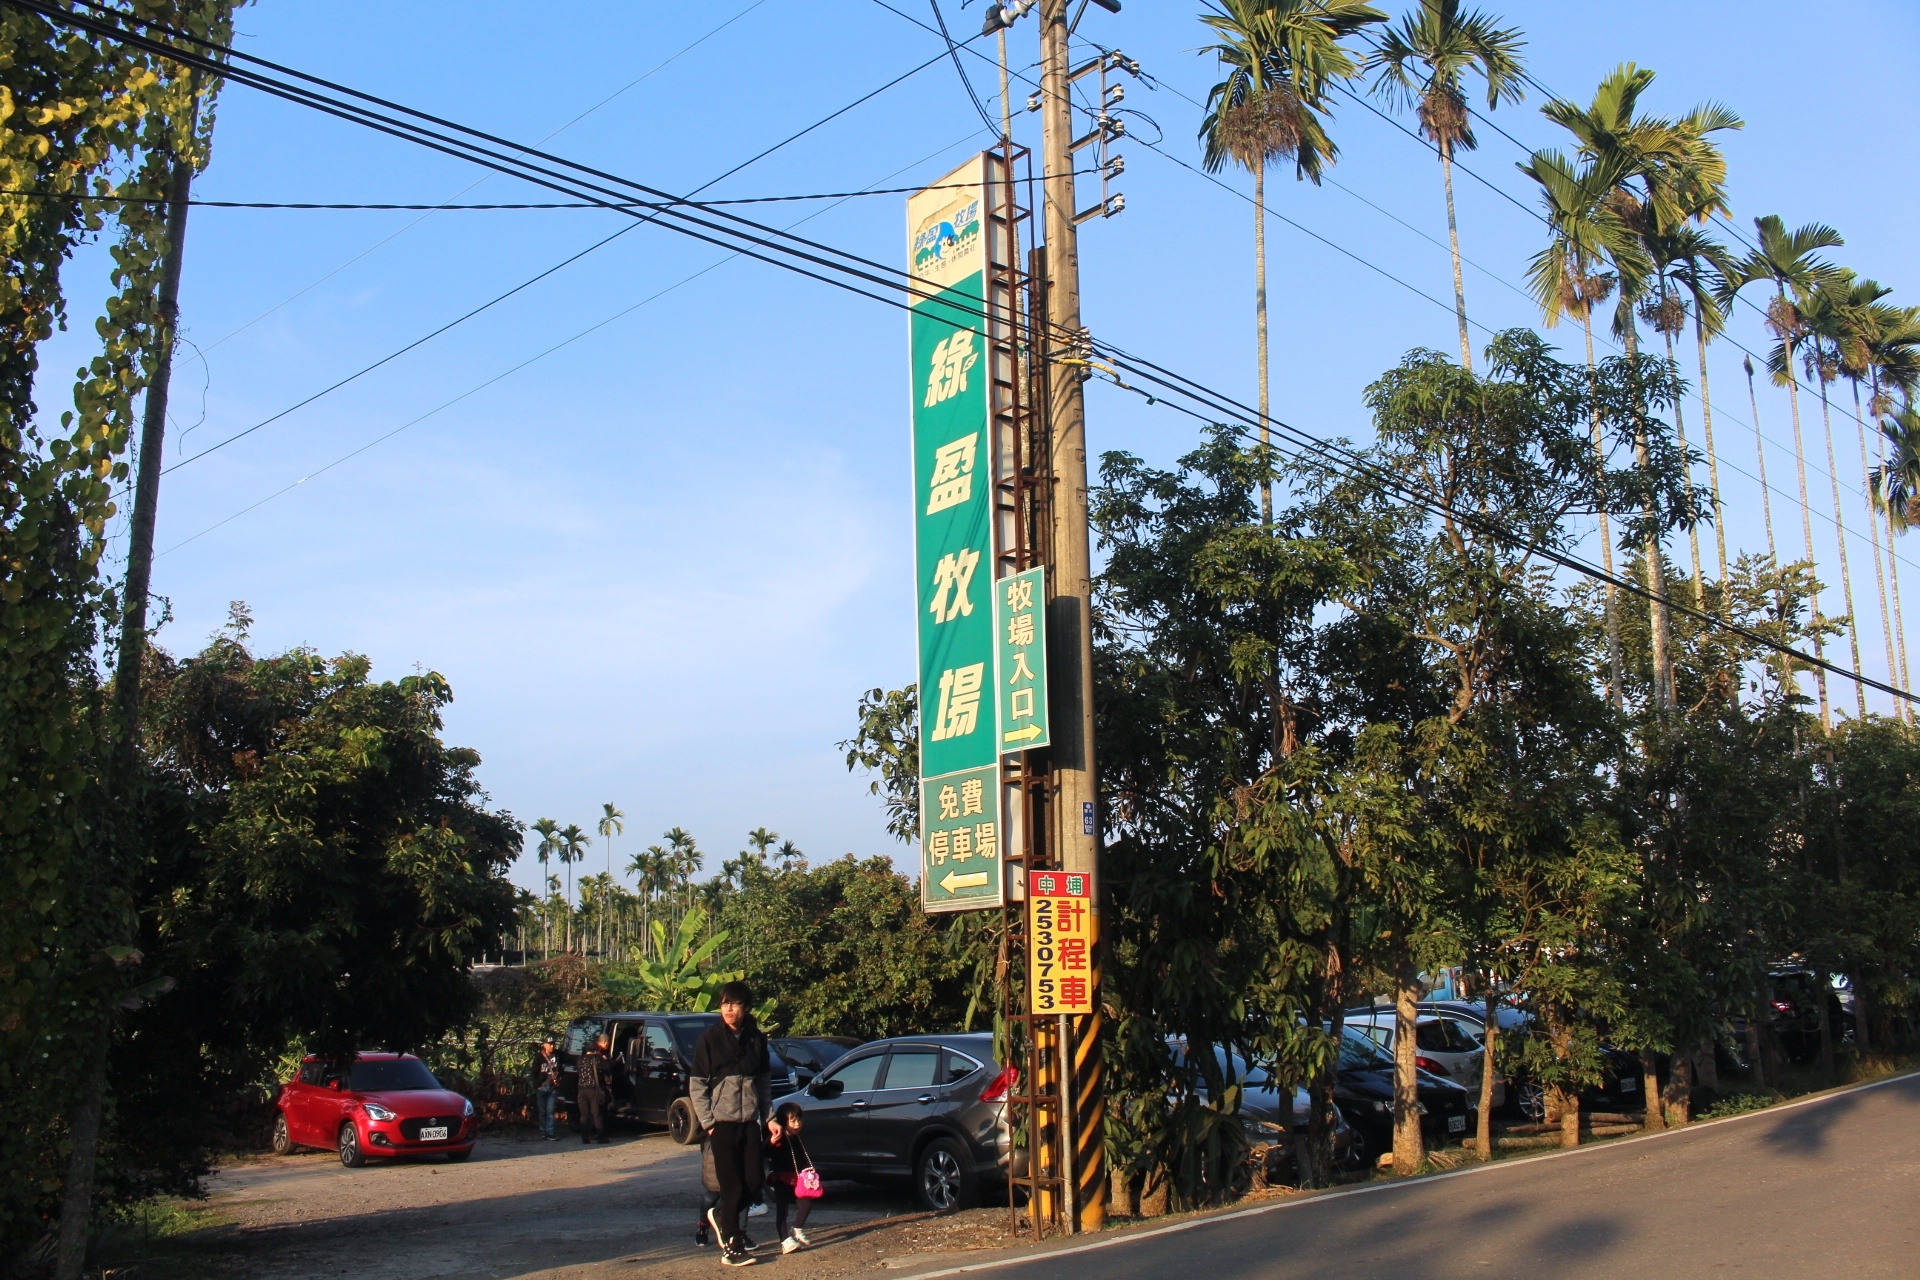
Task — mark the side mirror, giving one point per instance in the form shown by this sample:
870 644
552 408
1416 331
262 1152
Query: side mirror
336 1084
827 1088
659 1054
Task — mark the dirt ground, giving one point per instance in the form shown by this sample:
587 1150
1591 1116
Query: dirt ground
522 1207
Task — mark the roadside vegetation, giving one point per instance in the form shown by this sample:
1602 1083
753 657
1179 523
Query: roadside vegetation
1360 720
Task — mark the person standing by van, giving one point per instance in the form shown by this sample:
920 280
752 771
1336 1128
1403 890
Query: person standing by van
590 1092
546 1088
731 1096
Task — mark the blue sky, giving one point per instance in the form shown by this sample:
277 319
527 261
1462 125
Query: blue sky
660 564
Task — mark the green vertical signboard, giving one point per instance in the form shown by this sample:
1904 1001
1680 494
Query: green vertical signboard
1020 637
953 545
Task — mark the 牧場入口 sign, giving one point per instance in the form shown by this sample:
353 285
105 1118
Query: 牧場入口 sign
960 863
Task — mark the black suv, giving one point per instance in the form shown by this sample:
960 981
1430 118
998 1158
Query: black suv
929 1108
652 1055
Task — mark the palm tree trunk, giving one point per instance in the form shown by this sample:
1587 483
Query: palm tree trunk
1260 320
1806 528
1760 452
1893 584
1453 239
1617 689
1840 537
1879 569
1693 530
1660 625
1713 459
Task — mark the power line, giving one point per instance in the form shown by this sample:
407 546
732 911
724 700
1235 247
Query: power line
389 239
854 274
630 207
547 204
507 373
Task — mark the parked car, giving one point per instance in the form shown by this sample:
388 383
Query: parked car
1363 1090
810 1055
652 1059
378 1104
1795 1006
1618 1090
1446 1044
929 1108
1512 1017
1260 1118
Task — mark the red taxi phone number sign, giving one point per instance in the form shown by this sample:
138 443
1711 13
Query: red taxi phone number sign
1060 941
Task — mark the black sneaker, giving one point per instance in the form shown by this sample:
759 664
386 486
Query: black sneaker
734 1256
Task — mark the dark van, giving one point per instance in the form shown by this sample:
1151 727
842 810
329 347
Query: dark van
652 1059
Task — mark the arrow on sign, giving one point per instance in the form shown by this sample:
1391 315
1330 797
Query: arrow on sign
953 881
1027 734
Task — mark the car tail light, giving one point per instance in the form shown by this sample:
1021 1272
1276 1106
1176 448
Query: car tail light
1781 1006
1428 1064
998 1087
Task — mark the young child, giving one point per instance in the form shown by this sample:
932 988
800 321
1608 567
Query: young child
786 1157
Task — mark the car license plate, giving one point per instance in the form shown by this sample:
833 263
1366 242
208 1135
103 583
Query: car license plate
1456 1124
438 1133
1628 1084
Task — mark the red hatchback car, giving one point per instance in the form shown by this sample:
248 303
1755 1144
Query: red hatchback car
382 1104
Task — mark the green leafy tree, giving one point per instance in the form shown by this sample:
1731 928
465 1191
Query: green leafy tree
845 949
887 744
1422 60
681 979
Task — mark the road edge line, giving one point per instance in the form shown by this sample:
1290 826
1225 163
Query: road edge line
1129 1237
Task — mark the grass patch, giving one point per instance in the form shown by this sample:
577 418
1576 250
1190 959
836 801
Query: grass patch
1739 1104
167 1239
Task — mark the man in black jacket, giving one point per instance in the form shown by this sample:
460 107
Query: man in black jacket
731 1094
590 1092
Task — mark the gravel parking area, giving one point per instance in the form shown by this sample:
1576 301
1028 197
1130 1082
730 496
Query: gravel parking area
524 1207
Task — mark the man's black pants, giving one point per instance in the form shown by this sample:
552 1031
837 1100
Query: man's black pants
591 1109
737 1161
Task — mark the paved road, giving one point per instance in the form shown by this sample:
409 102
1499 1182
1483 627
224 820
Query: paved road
1829 1189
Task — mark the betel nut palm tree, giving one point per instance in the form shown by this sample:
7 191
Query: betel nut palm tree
1663 172
610 825
573 847
1825 318
1697 269
1421 62
1281 58
1569 278
1894 365
1790 261
549 832
1865 320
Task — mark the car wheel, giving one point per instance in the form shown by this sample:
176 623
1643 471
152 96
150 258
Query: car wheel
1359 1150
682 1127
350 1153
1531 1099
941 1177
282 1140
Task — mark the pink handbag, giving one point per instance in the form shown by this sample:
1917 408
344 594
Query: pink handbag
806 1182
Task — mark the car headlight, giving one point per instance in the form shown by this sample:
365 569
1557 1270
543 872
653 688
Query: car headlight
467 1108
375 1111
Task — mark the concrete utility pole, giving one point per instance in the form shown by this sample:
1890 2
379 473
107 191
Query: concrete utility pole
1069 614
